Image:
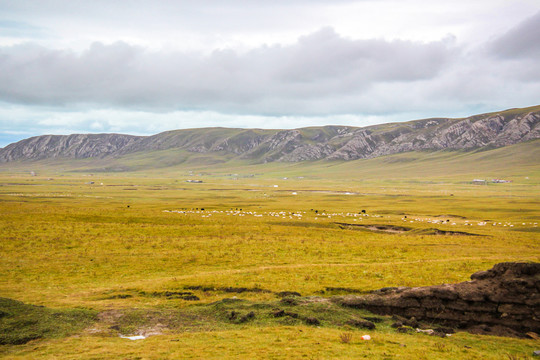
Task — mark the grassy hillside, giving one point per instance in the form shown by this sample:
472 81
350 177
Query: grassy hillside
209 146
512 162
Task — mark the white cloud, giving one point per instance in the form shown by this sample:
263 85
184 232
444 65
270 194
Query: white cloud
142 66
276 80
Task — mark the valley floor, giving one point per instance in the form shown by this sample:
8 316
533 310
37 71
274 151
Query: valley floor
110 254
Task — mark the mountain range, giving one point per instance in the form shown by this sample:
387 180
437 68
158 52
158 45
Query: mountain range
487 131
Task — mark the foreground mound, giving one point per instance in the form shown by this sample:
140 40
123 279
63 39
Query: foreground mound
504 300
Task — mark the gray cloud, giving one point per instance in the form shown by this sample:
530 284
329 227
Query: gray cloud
141 66
272 79
522 41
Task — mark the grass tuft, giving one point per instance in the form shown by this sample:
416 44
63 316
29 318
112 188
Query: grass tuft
346 337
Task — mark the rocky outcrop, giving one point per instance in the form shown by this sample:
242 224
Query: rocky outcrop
506 296
66 146
440 134
308 152
328 142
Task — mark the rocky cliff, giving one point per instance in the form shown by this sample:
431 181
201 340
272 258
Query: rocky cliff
329 142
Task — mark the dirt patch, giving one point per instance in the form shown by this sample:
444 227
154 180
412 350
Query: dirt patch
117 296
148 322
110 316
434 231
504 300
237 290
305 224
450 216
284 294
391 229
394 229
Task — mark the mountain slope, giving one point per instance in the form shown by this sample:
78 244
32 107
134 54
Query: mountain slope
77 146
329 142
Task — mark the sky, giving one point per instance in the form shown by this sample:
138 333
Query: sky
145 66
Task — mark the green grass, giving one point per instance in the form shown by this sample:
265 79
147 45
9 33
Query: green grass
125 248
292 327
21 323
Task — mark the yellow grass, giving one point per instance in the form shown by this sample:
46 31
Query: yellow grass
66 243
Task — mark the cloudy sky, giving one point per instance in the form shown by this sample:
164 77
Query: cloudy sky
146 66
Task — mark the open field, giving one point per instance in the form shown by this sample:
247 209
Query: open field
148 252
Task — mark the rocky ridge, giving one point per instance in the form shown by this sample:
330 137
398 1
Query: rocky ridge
328 142
77 146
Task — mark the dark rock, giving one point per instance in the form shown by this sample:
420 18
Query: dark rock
233 315
462 305
403 303
373 319
418 313
312 321
481 275
291 314
534 301
431 303
405 330
361 323
445 292
399 318
412 322
249 316
515 309
291 300
505 298
385 290
445 330
288 293
470 294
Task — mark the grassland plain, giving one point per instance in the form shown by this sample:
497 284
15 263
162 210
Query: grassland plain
147 252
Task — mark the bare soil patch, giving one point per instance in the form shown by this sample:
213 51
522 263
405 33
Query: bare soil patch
394 229
390 229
